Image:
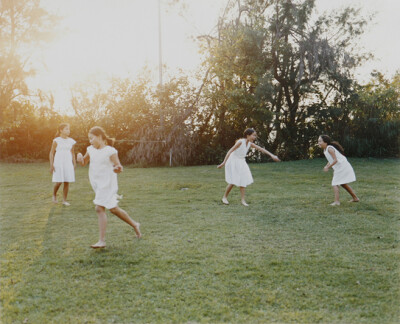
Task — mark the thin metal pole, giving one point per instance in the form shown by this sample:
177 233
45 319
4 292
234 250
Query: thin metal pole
160 72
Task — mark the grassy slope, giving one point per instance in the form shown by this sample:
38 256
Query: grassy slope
289 257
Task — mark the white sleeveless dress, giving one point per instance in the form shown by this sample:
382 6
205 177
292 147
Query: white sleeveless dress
102 177
237 172
342 171
63 165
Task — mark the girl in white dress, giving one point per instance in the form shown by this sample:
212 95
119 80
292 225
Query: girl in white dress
237 172
343 172
103 169
62 162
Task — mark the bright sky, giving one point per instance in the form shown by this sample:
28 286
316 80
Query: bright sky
107 38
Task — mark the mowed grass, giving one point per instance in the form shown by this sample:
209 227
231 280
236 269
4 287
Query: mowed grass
288 258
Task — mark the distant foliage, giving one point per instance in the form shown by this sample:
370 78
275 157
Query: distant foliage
30 134
374 127
23 23
272 65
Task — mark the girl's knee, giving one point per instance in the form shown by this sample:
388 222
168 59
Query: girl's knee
114 210
99 209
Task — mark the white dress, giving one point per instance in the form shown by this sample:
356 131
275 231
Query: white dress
63 164
102 177
342 171
237 172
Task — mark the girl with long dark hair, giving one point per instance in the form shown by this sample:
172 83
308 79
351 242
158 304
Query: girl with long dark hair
343 172
237 172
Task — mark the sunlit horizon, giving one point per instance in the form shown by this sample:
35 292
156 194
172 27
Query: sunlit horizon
105 39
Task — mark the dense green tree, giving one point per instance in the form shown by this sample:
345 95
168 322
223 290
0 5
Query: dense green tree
274 64
374 126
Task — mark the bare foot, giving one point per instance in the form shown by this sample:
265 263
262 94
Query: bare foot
335 203
354 200
244 203
99 245
54 200
137 230
225 201
65 203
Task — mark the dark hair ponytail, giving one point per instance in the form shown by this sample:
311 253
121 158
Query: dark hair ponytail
99 131
60 128
335 144
248 132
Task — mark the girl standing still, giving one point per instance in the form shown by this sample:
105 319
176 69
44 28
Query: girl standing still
62 162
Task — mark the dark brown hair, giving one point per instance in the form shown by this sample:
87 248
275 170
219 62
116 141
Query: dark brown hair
248 132
99 131
336 145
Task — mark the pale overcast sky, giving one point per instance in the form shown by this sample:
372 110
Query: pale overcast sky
119 37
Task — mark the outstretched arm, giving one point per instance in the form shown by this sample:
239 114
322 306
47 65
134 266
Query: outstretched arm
330 165
83 160
118 168
233 148
263 150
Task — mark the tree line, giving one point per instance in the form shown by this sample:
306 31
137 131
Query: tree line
275 66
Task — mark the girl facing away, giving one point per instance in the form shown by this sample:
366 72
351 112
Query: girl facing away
343 172
62 162
237 172
103 169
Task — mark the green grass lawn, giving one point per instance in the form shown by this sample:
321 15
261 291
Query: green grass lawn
288 258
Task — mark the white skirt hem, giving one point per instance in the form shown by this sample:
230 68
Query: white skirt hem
237 172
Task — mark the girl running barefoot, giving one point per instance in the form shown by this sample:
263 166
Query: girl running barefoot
237 172
103 169
62 162
343 172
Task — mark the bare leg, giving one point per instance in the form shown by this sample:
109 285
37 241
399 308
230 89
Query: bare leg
336 191
55 189
242 192
123 215
65 193
102 217
227 191
351 192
